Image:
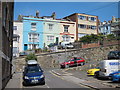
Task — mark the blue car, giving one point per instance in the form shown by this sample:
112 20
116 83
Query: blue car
115 77
33 74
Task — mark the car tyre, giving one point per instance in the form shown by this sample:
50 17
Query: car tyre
43 83
82 64
66 66
24 84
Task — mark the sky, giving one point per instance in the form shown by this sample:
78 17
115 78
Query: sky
104 10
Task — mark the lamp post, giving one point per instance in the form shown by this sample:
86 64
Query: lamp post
65 53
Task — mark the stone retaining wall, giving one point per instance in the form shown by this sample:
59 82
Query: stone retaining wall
91 55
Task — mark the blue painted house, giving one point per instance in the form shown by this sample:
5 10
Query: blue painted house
32 33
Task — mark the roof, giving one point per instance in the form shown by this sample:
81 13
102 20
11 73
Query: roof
30 62
76 14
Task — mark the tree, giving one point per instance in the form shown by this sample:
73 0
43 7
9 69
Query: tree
110 36
89 38
31 56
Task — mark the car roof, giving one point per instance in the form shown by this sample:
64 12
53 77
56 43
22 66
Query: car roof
30 62
115 51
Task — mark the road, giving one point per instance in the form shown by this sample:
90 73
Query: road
55 81
59 78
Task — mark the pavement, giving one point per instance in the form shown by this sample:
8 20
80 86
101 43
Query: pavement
15 82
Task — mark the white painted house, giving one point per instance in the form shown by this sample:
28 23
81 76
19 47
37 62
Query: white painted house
17 38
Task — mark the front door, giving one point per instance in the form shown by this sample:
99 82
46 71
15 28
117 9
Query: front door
57 40
25 47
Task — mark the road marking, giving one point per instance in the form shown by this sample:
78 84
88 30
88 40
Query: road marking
67 80
56 75
47 86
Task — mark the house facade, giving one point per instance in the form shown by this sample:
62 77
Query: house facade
39 32
104 28
32 33
85 24
17 38
110 27
6 42
67 31
115 26
51 31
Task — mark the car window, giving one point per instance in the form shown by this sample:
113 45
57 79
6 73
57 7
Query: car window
119 53
97 67
73 60
32 69
114 53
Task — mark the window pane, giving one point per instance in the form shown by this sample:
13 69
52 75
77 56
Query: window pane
14 27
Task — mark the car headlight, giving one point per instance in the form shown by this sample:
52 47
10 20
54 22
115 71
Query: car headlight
26 77
42 76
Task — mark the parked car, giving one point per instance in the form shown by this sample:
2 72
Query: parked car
115 76
73 62
96 75
33 74
23 54
92 71
114 55
64 45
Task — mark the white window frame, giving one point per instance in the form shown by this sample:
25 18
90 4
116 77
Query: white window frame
80 26
90 19
66 28
33 37
50 26
81 17
50 38
33 27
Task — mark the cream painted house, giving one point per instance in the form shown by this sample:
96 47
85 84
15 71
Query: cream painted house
67 31
85 24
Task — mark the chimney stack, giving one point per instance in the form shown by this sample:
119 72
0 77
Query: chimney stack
37 13
113 19
54 15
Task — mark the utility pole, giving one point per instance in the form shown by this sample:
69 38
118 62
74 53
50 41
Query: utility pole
65 53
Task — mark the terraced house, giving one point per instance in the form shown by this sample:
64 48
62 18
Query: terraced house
67 31
85 24
51 30
39 32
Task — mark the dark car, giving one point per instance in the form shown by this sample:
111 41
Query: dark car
73 62
114 55
97 74
33 74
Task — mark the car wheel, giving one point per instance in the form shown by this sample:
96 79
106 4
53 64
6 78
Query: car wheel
43 83
81 64
24 84
61 67
96 75
66 66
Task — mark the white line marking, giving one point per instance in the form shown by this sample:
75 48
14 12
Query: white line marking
47 86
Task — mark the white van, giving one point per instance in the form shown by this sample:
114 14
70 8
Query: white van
108 66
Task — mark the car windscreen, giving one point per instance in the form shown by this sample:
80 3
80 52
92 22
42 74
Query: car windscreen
32 69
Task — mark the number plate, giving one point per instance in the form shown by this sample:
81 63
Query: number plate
34 81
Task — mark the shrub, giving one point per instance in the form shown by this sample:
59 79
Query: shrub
31 56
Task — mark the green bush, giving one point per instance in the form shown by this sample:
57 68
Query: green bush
31 56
